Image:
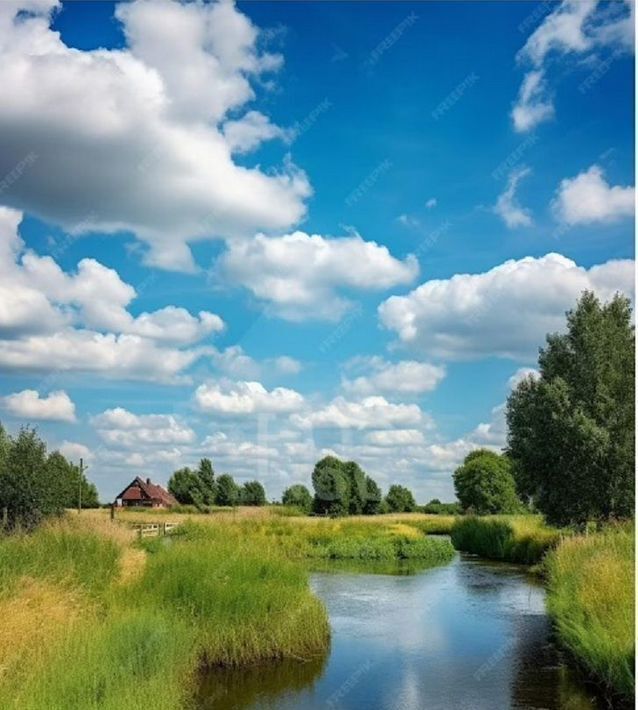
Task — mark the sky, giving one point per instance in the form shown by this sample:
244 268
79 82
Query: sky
265 232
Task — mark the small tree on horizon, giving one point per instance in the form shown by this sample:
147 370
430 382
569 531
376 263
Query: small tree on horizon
252 493
485 485
400 500
298 496
227 490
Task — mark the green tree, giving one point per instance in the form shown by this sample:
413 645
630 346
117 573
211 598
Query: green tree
400 500
571 430
186 486
357 492
374 498
298 496
206 475
252 493
332 488
25 489
67 485
227 490
485 484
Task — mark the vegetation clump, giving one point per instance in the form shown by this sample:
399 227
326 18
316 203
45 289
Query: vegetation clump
485 485
590 583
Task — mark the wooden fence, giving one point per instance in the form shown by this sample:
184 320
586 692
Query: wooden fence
154 529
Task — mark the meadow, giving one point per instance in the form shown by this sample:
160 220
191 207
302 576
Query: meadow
96 618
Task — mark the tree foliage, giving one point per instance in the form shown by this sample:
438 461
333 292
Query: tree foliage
227 490
342 488
252 493
485 485
571 430
298 496
34 485
400 500
186 486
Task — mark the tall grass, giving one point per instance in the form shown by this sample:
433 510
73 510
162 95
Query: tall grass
591 599
523 539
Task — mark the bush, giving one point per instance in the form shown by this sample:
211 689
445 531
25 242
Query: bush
298 496
400 500
485 485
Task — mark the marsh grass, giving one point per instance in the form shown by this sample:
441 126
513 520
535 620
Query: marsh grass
523 539
591 599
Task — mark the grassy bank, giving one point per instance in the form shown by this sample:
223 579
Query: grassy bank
521 539
590 583
93 618
94 621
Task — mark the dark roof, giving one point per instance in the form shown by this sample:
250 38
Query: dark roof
139 489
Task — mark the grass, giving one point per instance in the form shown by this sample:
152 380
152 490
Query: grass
523 539
92 618
590 581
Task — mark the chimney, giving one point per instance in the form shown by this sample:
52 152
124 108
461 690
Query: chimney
148 481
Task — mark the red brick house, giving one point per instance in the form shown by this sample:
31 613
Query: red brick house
145 494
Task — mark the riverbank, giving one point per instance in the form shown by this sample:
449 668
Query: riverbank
97 618
590 585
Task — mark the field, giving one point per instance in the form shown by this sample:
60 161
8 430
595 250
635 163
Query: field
96 618
590 584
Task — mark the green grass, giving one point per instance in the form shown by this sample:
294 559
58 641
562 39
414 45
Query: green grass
523 539
590 582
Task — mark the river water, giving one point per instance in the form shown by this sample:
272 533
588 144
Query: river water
470 635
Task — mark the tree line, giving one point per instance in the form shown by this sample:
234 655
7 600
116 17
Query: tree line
570 450
35 484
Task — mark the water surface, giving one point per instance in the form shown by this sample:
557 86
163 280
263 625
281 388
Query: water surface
471 635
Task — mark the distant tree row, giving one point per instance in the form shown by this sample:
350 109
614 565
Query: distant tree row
35 485
200 487
343 488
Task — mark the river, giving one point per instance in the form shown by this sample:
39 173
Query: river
470 635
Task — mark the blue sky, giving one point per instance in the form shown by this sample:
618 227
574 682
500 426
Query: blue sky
268 231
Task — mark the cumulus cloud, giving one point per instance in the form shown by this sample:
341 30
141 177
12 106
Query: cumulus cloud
574 28
28 404
239 398
404 377
507 207
120 427
588 198
395 437
141 114
75 451
503 312
368 413
299 275
51 319
250 131
522 374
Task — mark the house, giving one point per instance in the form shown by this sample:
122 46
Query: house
140 493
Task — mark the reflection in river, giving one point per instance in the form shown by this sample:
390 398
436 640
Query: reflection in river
469 635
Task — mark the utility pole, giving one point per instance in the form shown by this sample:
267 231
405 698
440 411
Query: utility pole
80 486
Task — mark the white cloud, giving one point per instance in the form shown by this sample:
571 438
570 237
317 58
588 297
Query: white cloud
408 221
112 356
369 413
299 275
238 398
221 445
431 203
28 404
503 312
507 206
287 365
149 116
123 428
75 451
533 106
575 27
247 133
588 198
404 377
395 437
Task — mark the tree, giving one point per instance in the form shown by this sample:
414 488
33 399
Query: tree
400 500
252 493
485 485
227 491
25 490
186 486
298 496
206 475
67 485
571 429
374 498
357 491
331 486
